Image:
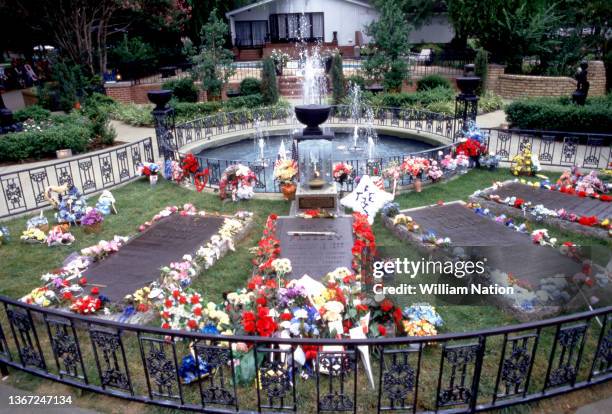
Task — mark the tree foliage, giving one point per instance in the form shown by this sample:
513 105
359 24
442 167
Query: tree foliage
337 79
509 29
213 62
390 40
269 88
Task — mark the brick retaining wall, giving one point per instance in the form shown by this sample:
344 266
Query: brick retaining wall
125 92
518 86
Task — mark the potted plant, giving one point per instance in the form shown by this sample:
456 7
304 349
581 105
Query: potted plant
285 171
280 59
92 221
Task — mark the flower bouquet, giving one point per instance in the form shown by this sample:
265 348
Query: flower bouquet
525 163
280 59
449 163
57 237
72 206
239 180
92 221
489 161
149 170
342 172
33 236
104 248
285 171
38 222
393 173
434 173
415 167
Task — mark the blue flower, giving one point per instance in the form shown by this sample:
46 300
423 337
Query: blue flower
210 329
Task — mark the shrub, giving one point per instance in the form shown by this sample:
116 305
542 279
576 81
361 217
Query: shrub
184 90
356 79
250 86
395 76
133 57
337 79
35 112
490 102
193 110
561 115
96 109
269 88
432 82
248 101
22 145
132 114
481 68
422 98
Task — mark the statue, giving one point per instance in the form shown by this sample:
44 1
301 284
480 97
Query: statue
582 84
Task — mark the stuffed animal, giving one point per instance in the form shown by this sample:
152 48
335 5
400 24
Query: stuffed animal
565 180
106 203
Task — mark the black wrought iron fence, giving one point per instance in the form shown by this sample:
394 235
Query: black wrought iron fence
553 148
23 190
456 372
209 127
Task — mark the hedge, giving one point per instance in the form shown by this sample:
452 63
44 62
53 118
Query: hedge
184 90
432 82
23 145
250 86
560 114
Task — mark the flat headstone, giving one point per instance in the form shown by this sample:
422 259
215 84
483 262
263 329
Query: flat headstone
554 200
138 262
316 255
504 248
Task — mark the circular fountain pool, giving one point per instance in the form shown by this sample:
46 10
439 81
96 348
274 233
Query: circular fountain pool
386 146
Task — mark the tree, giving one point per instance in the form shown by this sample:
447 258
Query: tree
390 39
269 88
337 78
508 29
481 68
213 63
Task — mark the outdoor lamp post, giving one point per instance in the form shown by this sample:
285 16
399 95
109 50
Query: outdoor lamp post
466 102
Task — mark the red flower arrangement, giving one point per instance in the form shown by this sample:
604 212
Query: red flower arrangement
364 237
471 148
190 164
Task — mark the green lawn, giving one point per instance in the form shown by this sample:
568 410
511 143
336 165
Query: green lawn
137 202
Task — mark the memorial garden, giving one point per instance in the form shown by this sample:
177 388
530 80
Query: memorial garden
267 217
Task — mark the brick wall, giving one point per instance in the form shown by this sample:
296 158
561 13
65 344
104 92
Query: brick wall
519 86
125 92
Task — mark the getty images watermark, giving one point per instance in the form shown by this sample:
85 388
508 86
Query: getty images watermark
454 278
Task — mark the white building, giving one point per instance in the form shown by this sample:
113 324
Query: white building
341 22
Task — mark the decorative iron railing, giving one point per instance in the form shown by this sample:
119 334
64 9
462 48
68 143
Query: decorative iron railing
23 190
207 128
456 372
553 148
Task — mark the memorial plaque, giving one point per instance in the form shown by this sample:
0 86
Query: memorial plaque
138 262
315 202
504 248
554 200
315 254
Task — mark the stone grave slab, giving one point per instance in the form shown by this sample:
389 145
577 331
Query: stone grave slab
315 255
554 200
505 248
138 262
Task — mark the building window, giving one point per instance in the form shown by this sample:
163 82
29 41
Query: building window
251 33
291 27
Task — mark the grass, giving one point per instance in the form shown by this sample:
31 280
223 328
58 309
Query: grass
23 264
